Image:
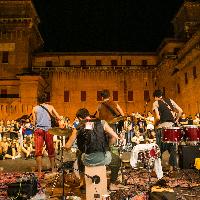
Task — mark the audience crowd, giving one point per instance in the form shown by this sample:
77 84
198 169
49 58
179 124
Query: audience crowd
17 138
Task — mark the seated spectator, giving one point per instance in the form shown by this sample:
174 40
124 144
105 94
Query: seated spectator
27 148
138 138
4 146
1 132
183 120
1 151
28 128
13 131
12 150
196 120
151 137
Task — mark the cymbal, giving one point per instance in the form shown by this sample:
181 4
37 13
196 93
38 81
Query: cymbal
61 131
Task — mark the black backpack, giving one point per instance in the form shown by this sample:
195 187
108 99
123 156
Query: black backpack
91 141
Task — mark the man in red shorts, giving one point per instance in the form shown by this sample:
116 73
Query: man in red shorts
42 123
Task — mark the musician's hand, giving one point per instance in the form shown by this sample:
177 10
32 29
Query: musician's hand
177 122
67 149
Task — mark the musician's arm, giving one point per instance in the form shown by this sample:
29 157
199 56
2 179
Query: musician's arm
110 131
71 139
55 113
112 140
34 116
184 123
156 112
120 110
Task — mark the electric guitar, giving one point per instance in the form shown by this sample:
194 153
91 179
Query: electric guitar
137 115
117 119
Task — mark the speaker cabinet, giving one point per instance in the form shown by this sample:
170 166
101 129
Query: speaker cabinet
187 155
162 196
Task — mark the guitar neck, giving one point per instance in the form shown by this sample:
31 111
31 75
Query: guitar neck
116 119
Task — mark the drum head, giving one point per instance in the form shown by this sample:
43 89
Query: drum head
190 126
172 128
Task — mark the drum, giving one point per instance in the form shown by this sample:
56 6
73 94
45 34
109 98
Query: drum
172 135
192 133
68 156
125 157
152 153
144 154
125 152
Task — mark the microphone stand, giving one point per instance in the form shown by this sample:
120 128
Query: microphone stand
61 160
63 197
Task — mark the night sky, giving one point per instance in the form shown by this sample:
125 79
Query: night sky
105 25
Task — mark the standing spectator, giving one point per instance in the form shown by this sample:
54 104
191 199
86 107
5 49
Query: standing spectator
128 127
150 123
196 120
190 120
142 125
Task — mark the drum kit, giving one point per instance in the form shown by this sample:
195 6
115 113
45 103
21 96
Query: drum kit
147 157
61 131
189 134
183 135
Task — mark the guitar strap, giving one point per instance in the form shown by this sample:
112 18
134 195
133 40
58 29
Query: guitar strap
110 109
47 111
169 107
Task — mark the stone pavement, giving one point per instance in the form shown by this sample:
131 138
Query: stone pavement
22 165
54 191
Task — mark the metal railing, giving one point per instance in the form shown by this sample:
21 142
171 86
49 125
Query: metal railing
92 67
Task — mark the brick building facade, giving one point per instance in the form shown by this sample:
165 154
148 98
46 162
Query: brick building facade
74 80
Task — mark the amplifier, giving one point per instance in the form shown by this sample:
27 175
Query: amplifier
187 155
23 190
162 195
